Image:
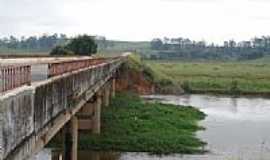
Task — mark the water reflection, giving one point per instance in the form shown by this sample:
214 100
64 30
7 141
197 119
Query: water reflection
229 108
237 129
90 155
49 154
56 154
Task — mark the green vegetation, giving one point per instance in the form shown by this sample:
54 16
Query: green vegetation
166 48
263 60
108 46
31 45
162 82
42 45
131 125
135 63
249 77
184 48
83 45
60 50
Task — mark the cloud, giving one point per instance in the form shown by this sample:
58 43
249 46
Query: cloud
194 1
213 20
26 16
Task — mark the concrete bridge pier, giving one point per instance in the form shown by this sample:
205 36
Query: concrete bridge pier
113 87
106 96
86 115
109 92
70 142
97 113
89 115
87 119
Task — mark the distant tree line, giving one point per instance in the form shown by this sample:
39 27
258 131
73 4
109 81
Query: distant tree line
186 48
55 44
44 42
165 48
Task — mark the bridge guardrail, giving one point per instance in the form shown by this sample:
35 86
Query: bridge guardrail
59 68
14 76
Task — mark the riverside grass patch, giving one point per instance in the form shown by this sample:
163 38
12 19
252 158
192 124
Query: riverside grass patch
131 125
219 77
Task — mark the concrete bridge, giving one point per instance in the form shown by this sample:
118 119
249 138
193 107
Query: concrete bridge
67 100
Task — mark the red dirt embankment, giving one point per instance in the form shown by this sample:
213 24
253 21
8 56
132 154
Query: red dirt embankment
137 77
134 81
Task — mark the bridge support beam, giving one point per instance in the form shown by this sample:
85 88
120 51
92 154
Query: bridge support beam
113 88
97 111
86 114
70 136
106 96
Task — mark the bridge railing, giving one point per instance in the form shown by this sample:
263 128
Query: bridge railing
59 68
14 76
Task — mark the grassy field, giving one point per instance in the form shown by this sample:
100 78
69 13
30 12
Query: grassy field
249 77
124 46
131 125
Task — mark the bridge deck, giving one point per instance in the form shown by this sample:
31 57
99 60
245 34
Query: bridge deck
31 115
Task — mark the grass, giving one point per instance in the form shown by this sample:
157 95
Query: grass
124 46
23 52
163 83
250 77
263 60
131 125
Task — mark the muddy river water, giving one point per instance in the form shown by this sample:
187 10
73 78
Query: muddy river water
236 129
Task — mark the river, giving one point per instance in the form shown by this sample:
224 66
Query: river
236 129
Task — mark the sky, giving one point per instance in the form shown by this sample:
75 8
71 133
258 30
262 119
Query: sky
138 20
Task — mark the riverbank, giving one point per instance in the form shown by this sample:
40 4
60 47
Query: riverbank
233 78
234 125
131 125
141 78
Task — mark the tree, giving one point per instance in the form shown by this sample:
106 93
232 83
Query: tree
201 44
83 45
13 42
156 44
180 41
226 44
60 51
232 44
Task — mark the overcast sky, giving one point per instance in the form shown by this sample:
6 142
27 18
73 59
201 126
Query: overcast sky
211 20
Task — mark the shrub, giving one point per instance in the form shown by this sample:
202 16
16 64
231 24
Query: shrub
165 82
60 51
186 86
83 45
148 73
235 88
